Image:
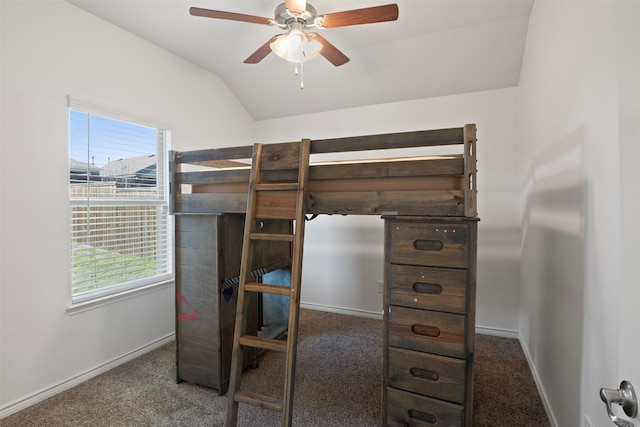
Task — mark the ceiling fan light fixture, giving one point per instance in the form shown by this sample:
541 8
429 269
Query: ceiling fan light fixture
296 45
296 17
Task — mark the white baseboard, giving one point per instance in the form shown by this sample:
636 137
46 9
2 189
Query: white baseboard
498 332
21 404
486 330
536 379
342 310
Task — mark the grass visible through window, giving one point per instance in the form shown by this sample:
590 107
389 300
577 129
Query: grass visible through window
107 267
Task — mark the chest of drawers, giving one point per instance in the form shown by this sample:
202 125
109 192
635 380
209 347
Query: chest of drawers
429 317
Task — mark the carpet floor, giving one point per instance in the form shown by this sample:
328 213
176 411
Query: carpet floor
338 383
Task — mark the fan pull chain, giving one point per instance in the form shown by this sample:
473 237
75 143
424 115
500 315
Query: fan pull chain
295 71
301 75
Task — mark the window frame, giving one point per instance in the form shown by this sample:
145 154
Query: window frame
97 297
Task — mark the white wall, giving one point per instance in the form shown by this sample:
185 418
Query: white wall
343 255
570 177
627 24
51 49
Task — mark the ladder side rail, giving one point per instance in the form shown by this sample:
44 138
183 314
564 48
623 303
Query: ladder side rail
242 304
241 341
296 277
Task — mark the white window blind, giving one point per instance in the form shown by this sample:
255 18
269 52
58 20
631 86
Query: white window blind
118 191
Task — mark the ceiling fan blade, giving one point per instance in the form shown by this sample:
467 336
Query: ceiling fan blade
367 15
218 14
261 53
296 6
330 52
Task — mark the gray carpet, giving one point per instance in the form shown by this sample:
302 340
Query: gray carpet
338 383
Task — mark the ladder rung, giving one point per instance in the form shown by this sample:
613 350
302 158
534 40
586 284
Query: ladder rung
266 343
272 236
268 289
260 400
276 186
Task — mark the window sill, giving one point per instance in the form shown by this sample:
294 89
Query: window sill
80 307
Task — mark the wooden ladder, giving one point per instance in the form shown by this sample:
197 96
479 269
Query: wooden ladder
273 194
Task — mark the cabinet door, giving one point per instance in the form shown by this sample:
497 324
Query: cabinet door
208 254
197 303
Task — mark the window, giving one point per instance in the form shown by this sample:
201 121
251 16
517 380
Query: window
118 191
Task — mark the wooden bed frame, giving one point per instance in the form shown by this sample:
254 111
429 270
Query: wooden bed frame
427 199
442 185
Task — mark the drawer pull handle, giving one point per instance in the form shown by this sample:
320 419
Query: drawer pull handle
427 288
428 331
424 374
423 416
428 245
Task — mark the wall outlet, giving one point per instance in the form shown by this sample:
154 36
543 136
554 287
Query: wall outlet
380 286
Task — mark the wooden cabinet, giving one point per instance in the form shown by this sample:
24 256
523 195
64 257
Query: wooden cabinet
208 254
429 317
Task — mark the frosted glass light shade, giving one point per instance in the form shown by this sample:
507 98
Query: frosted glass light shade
296 46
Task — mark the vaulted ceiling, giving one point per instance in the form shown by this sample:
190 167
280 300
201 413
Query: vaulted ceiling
435 48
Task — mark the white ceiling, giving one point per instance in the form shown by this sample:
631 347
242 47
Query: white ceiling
435 48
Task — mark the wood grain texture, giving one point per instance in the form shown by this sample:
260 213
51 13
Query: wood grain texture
197 333
441 185
232 16
330 52
429 323
439 203
276 204
261 52
405 167
406 330
425 138
280 156
425 202
208 251
412 243
447 290
430 293
410 409
427 374
470 171
368 15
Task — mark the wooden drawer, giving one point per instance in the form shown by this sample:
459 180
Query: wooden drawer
428 331
406 409
435 376
429 244
442 289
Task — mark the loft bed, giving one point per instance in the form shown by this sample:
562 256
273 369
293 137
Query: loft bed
422 185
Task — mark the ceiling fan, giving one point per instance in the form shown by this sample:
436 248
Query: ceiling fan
295 17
